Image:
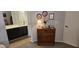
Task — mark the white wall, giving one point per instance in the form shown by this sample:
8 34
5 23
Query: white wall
32 25
29 22
58 22
3 34
59 25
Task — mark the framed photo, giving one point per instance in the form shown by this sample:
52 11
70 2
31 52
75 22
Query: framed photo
39 16
44 13
51 16
4 14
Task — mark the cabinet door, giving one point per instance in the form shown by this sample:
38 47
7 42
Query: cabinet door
23 31
12 33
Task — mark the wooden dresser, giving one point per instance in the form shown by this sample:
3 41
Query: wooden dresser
46 36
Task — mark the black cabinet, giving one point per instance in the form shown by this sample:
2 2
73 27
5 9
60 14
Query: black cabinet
17 32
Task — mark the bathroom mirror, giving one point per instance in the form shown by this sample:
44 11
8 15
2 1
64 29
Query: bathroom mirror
15 18
7 17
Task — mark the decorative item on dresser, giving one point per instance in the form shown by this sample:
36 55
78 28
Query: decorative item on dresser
46 36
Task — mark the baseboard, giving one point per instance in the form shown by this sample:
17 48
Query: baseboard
58 41
33 40
70 44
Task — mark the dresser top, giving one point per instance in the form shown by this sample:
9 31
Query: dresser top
46 28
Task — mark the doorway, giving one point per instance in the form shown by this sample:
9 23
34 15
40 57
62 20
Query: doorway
71 28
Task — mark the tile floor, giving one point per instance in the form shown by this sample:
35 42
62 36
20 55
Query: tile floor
25 42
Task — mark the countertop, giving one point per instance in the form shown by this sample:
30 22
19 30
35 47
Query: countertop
14 26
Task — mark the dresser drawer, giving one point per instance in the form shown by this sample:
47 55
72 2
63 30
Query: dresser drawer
45 31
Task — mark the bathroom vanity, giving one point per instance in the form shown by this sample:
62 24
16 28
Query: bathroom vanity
15 31
16 24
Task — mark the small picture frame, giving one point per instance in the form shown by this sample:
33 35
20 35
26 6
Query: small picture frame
39 16
4 14
51 16
44 13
